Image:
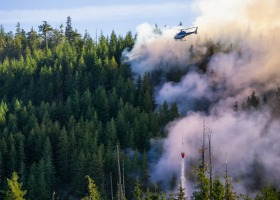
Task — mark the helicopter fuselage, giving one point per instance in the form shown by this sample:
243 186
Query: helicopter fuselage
182 34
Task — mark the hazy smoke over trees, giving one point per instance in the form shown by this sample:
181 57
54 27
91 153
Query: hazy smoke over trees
235 53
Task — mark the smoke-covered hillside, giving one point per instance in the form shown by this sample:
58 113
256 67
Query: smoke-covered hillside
227 75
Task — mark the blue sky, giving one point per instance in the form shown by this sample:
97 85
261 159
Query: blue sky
96 16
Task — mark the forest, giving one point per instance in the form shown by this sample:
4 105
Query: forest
76 122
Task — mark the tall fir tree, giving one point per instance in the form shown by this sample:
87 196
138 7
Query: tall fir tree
93 193
45 28
14 191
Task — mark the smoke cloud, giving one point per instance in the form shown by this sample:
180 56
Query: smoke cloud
247 60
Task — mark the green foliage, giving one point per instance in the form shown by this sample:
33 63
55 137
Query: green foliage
218 190
269 192
92 190
3 111
229 192
45 28
137 191
14 191
202 185
67 99
181 192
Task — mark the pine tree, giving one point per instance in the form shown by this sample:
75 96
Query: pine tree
41 185
113 45
1 167
122 128
101 104
128 40
99 169
253 100
137 192
92 190
45 28
218 190
202 185
174 111
3 111
181 194
12 158
63 155
49 170
80 173
32 40
164 114
69 32
148 102
14 191
269 192
31 182
111 132
229 194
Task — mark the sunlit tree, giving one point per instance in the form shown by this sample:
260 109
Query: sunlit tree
14 191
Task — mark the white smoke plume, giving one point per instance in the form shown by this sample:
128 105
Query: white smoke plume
245 138
249 33
155 50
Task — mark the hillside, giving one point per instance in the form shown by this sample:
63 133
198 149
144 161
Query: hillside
68 101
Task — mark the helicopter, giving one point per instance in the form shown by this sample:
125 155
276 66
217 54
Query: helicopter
183 33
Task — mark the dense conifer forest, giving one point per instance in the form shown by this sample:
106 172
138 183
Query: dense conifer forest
67 102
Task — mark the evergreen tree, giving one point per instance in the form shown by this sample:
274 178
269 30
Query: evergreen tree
147 102
92 190
269 192
2 42
218 190
202 185
111 132
164 114
1 167
80 172
69 32
41 187
229 194
253 100
31 185
3 111
102 47
113 45
101 104
63 155
12 158
137 191
49 174
122 127
45 28
14 191
32 40
181 194
128 40
174 111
